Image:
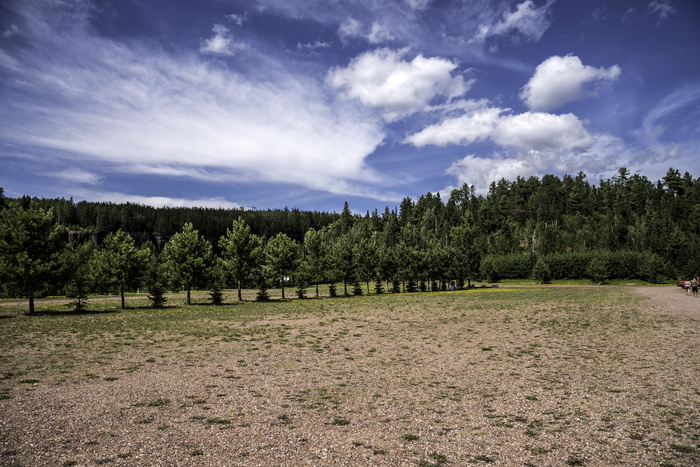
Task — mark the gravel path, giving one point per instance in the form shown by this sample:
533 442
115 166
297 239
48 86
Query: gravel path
672 300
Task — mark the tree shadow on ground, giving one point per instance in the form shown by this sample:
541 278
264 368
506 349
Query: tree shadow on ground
69 312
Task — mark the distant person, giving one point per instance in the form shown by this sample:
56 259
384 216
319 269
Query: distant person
687 287
694 286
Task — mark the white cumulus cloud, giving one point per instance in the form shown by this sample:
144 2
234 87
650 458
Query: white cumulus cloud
381 79
540 131
473 126
535 131
481 171
559 80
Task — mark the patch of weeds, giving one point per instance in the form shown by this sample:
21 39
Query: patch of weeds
158 403
69 463
91 443
199 401
219 421
29 381
531 398
91 376
197 417
341 422
379 452
106 460
151 360
682 448
196 452
111 378
440 458
145 421
410 437
284 419
124 455
486 459
573 460
487 349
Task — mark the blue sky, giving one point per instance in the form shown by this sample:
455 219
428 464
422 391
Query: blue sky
307 104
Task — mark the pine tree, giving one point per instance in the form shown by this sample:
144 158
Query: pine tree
188 259
79 276
280 259
119 264
28 250
239 249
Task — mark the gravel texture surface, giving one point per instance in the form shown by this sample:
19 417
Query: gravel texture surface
391 387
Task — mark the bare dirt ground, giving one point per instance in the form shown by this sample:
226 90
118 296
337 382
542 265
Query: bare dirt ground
501 379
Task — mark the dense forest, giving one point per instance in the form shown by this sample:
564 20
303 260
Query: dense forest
547 228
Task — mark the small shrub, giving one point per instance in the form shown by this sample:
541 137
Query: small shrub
378 287
157 296
262 295
357 289
217 295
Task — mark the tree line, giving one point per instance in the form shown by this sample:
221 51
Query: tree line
546 228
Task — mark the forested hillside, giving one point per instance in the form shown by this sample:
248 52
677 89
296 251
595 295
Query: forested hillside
547 228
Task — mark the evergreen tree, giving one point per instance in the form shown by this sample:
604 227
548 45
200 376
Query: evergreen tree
315 256
188 260
342 261
239 249
119 264
28 247
78 274
280 260
541 271
599 267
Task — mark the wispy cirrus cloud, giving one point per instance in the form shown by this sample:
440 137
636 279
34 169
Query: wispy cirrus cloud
156 201
136 106
222 43
527 19
663 8
77 175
